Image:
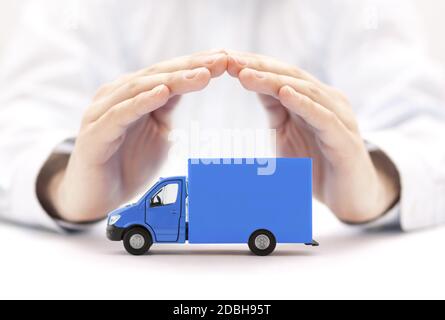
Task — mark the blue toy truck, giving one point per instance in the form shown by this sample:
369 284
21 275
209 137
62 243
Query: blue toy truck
223 201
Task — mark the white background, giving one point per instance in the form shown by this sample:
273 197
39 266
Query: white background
349 264
430 10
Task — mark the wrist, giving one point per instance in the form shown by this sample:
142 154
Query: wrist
49 182
389 181
373 190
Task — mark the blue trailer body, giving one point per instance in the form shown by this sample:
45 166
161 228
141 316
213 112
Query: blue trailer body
228 202
222 202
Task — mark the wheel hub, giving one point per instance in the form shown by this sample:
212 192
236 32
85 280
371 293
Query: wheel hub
262 242
137 241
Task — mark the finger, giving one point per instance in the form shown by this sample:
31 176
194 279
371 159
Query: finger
240 61
116 121
271 83
214 60
328 126
216 63
179 83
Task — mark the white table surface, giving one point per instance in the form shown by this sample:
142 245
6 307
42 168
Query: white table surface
349 263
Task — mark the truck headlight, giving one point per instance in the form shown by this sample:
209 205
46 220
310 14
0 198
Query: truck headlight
113 220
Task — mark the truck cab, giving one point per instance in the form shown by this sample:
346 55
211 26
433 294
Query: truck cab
158 217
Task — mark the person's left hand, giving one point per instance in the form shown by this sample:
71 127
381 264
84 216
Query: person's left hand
317 121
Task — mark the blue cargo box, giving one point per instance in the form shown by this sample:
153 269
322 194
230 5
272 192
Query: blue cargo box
228 202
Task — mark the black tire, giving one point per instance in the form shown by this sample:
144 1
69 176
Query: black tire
268 239
143 240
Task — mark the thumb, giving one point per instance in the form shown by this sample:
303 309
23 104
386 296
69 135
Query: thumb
277 113
164 115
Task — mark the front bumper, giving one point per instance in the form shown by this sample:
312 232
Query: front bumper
114 233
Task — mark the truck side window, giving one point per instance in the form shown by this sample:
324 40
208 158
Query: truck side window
166 196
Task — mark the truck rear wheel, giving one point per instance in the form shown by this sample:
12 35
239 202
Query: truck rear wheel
137 241
262 243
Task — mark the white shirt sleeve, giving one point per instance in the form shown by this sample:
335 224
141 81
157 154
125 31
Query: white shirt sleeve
48 77
377 58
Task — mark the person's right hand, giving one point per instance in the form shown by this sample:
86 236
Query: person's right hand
124 136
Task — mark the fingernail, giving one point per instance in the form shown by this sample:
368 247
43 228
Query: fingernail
291 91
259 75
158 90
217 50
212 59
189 75
241 61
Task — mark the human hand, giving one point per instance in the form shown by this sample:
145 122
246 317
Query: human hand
317 121
123 137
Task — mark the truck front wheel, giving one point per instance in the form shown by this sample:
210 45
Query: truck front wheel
137 241
262 243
